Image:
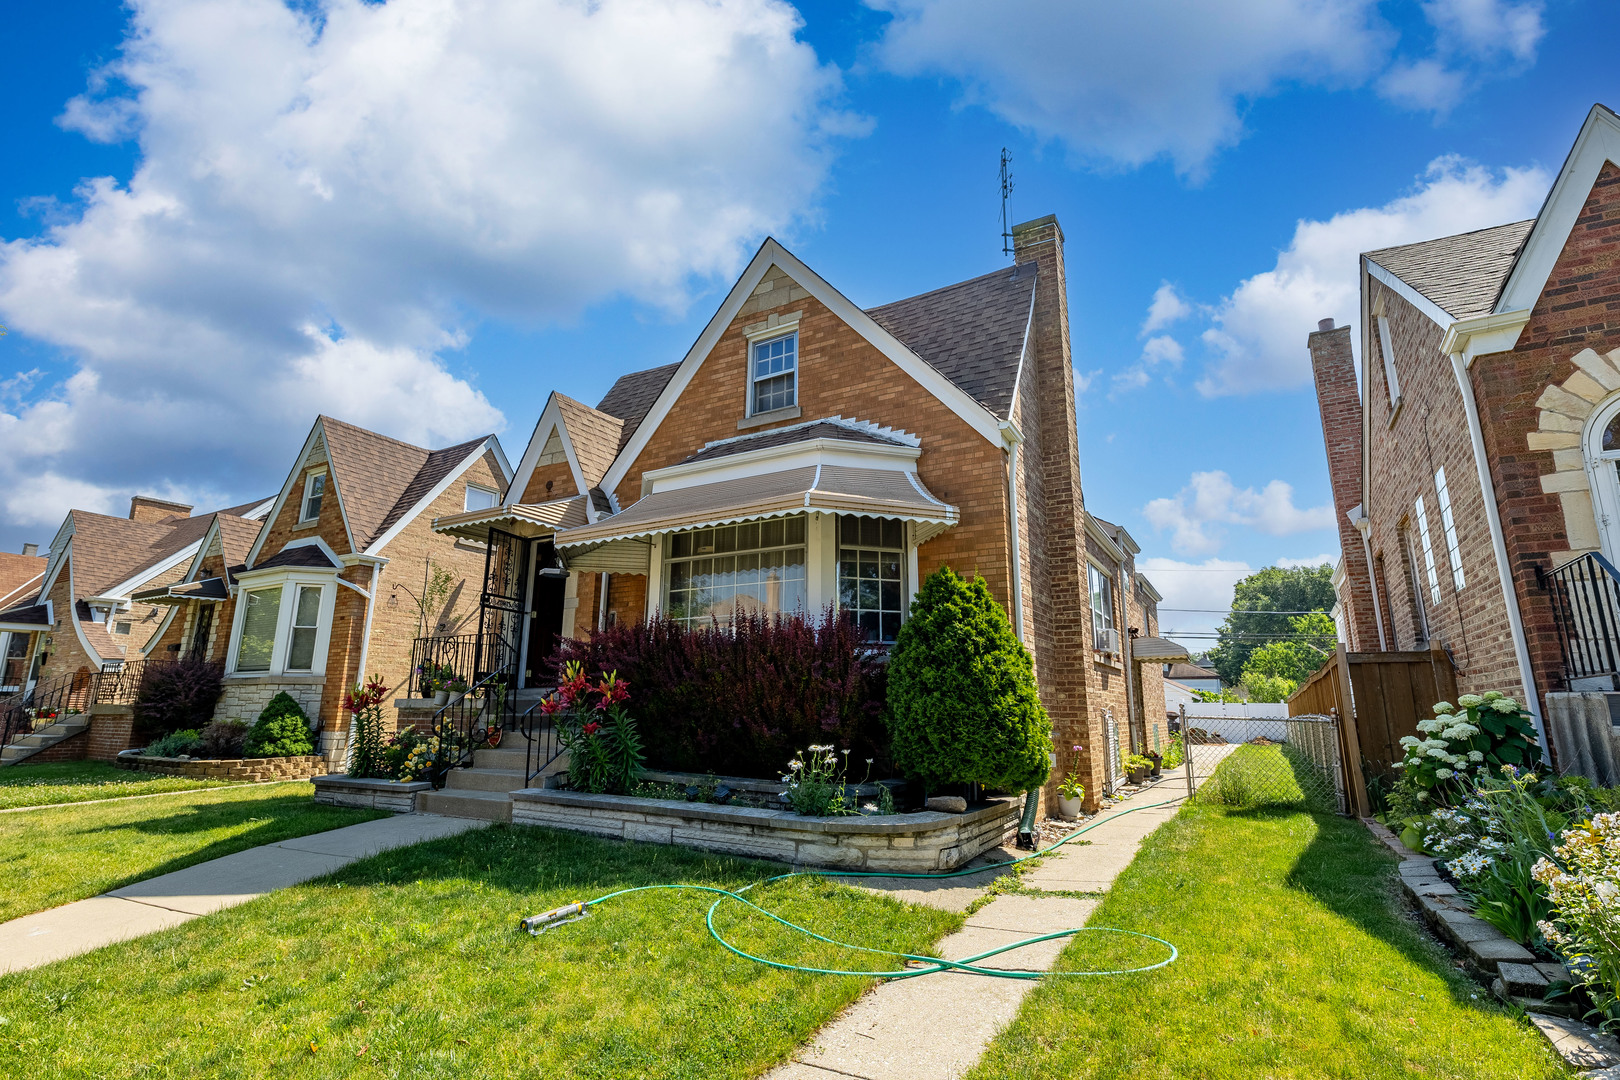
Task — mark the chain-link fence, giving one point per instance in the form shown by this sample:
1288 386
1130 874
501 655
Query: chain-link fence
1237 758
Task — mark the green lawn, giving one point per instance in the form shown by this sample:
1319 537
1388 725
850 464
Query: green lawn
81 781
1295 962
62 853
411 964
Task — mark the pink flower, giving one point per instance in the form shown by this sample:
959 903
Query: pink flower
592 728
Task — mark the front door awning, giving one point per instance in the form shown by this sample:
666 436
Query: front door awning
529 520
837 489
212 590
1157 650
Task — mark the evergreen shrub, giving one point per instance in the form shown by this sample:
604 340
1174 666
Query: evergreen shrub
282 730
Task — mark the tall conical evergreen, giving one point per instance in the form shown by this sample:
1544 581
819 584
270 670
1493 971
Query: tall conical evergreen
962 701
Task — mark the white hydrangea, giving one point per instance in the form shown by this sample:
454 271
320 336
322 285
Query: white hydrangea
1459 731
1493 695
1427 726
1505 705
1475 756
1444 774
1409 740
1437 752
1469 701
1443 707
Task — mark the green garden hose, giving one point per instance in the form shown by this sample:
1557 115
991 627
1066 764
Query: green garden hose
926 965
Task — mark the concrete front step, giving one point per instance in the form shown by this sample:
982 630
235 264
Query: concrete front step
482 779
483 805
26 747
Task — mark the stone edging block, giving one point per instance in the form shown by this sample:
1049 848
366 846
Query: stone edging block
398 796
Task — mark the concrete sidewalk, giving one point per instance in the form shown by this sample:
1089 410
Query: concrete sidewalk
171 899
936 1027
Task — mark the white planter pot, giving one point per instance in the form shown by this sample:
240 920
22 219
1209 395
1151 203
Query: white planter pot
1069 809
441 698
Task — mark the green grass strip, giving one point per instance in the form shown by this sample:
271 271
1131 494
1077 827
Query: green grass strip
60 854
85 781
1296 961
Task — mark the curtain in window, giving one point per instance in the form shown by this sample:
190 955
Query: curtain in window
306 619
259 629
758 567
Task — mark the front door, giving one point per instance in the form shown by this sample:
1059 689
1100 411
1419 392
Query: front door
501 604
545 613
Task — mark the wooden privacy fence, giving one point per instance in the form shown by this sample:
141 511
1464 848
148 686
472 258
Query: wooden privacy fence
1379 698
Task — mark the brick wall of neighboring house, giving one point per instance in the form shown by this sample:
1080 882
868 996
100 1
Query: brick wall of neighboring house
1578 309
1107 671
67 653
1339 401
841 373
394 621
1032 561
1430 431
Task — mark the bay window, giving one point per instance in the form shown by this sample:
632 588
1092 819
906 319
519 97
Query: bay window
757 567
871 574
283 628
258 629
305 623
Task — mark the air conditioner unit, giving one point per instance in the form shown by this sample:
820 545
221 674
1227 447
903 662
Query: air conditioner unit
1107 641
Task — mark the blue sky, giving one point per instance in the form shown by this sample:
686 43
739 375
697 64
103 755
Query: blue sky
219 216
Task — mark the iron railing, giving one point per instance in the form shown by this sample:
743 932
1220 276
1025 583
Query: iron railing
1586 609
471 658
542 743
44 703
467 722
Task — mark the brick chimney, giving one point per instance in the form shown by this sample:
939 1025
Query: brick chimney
152 511
30 550
1334 368
1064 647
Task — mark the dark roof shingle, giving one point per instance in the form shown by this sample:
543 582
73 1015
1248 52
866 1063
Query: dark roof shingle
379 479
819 429
633 395
1462 274
971 332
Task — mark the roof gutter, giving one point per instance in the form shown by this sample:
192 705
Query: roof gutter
1014 439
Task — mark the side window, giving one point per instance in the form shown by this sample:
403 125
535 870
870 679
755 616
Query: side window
480 498
773 373
1449 525
314 492
305 623
1388 352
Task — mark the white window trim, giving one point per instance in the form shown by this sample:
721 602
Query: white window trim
1113 612
1428 550
761 337
1448 525
1393 380
303 500
288 581
494 497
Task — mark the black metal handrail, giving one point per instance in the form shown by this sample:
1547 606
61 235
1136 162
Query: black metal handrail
45 702
542 743
1586 609
466 723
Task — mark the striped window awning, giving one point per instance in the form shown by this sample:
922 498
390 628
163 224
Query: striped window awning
212 590
837 489
520 519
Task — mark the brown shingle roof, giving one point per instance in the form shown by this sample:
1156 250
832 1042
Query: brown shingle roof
379 479
96 633
1462 274
596 436
819 429
108 550
971 332
236 536
633 395
1190 671
307 555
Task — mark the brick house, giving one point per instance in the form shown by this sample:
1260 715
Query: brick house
1488 410
317 594
20 578
807 454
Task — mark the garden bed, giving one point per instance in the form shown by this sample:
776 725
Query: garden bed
904 843
398 796
261 770
764 794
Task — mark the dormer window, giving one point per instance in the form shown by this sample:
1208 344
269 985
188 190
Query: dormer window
314 490
775 373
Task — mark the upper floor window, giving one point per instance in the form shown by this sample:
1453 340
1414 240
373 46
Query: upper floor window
871 573
1428 551
314 491
1104 634
757 567
1388 350
1449 525
481 498
774 372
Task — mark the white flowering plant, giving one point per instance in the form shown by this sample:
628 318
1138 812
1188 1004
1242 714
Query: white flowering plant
1476 736
1583 880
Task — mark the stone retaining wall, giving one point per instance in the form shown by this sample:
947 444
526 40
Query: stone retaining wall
904 843
398 796
301 767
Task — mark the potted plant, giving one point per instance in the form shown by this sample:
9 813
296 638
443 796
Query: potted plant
1158 762
1136 767
1071 791
454 690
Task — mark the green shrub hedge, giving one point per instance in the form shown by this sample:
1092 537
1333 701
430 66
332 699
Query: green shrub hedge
282 730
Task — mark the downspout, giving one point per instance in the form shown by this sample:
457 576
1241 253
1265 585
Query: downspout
1363 526
1493 517
1014 439
601 601
365 646
1125 650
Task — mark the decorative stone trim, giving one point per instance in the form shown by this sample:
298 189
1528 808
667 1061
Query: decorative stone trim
398 796
1565 410
259 770
903 843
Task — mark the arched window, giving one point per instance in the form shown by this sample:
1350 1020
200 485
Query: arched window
1602 446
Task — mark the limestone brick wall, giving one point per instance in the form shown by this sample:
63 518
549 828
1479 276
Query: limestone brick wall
244 697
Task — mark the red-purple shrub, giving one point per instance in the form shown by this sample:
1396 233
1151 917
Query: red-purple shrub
740 701
176 694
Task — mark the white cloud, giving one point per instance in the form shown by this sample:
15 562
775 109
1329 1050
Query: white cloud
1162 349
1258 337
1132 83
1196 595
1473 39
1423 85
1167 309
329 196
1198 514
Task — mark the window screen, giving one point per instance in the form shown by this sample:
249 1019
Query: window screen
1428 552
480 498
259 629
757 567
871 573
306 620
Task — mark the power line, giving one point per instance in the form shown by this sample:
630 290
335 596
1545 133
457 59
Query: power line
1242 611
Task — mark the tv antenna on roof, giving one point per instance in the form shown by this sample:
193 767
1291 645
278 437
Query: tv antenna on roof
1006 190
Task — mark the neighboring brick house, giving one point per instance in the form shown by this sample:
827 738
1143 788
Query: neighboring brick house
806 455
1479 455
317 595
82 609
20 579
